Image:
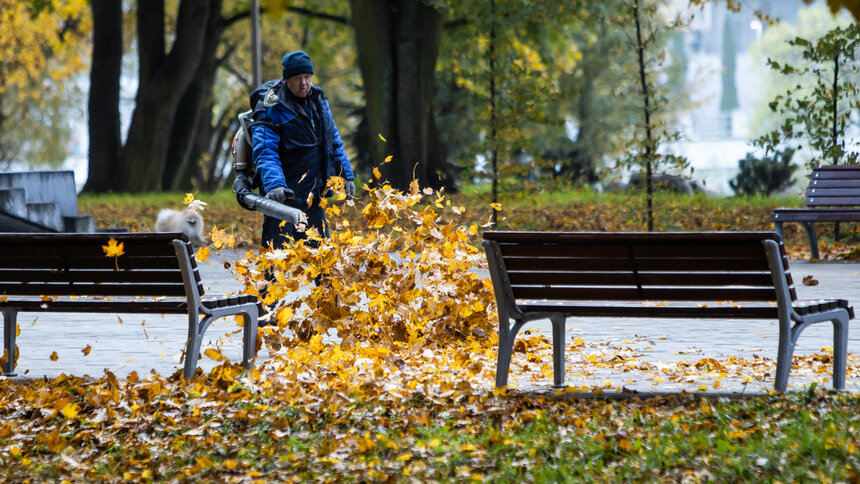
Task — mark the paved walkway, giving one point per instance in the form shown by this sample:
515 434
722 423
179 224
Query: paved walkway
144 343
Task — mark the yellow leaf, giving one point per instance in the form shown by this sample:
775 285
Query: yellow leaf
214 354
496 206
113 249
383 139
189 197
230 464
202 254
388 158
70 410
376 172
86 350
54 356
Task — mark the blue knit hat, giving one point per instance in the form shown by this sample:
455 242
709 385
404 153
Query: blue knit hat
296 63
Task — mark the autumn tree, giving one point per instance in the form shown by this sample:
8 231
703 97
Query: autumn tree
822 108
648 33
42 49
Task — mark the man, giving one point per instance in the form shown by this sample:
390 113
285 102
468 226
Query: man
296 148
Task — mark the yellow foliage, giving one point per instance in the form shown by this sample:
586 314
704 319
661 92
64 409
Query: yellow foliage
391 285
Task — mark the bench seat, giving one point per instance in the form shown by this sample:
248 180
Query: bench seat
695 275
833 195
156 274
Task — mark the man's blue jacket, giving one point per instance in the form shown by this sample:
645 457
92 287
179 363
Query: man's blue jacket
293 148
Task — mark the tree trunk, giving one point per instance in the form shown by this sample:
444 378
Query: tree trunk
398 44
189 120
163 81
103 107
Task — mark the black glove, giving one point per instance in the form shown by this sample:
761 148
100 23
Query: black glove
280 194
349 188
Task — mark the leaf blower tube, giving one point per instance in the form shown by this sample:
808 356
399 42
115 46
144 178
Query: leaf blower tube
244 184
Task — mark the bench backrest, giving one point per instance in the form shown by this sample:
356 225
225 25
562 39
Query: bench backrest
689 267
54 264
834 185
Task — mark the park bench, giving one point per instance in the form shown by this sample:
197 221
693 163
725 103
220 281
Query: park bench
705 275
833 195
70 272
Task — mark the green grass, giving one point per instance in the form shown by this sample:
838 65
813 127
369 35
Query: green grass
562 209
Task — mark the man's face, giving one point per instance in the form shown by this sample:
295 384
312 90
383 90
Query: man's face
300 84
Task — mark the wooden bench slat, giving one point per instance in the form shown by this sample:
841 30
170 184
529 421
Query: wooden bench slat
88 289
675 251
847 173
678 293
832 183
171 306
94 276
651 264
619 237
724 311
826 201
591 278
52 262
846 191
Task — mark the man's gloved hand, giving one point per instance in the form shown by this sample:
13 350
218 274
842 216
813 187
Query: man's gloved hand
280 194
349 187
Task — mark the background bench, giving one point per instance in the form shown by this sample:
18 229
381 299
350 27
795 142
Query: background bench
833 195
157 274
557 275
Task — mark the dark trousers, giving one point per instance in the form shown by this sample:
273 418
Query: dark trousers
276 236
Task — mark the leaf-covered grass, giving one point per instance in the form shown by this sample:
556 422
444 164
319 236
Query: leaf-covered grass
223 428
529 209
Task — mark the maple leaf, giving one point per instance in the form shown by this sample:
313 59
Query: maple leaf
203 254
113 249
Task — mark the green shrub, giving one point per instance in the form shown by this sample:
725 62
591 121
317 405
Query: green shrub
765 176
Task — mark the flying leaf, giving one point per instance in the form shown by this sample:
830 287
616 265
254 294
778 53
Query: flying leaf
86 350
202 254
54 356
383 139
388 158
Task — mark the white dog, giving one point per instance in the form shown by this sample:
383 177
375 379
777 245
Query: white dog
188 221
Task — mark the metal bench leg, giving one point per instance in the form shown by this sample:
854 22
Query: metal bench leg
10 317
192 347
813 240
249 342
558 326
783 359
840 351
777 227
507 335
